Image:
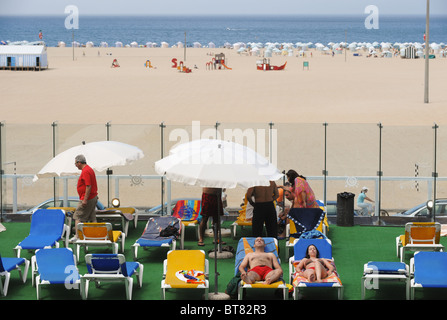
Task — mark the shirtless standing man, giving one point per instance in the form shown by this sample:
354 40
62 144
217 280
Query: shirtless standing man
264 209
264 265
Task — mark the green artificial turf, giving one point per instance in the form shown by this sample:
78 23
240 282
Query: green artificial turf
352 248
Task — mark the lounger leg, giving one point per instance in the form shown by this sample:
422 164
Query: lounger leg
140 275
135 252
182 236
6 284
407 289
38 287
363 288
84 288
129 286
25 271
340 293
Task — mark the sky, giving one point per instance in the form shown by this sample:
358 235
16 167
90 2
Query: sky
226 7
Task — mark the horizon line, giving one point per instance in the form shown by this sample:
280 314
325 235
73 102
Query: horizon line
220 14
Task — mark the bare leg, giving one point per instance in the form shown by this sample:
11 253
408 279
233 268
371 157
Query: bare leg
309 274
272 276
320 271
250 277
202 228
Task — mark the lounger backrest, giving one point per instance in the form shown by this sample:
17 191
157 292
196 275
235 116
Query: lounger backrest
48 222
156 224
95 231
422 232
106 264
187 210
184 260
429 269
305 219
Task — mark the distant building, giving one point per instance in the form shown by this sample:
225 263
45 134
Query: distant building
23 57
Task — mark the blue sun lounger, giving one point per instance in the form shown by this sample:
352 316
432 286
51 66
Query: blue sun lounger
111 268
324 247
47 228
6 266
153 236
55 266
246 245
428 270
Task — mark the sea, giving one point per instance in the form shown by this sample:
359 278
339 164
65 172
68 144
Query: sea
223 30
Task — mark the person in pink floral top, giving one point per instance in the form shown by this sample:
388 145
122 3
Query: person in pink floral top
304 195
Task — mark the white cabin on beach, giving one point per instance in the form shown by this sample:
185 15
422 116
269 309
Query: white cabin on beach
23 57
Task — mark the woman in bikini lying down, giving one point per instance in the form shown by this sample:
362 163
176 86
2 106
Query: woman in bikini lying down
314 268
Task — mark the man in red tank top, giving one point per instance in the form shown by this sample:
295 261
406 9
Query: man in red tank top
88 193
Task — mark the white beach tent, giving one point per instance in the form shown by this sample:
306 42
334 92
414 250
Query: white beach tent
104 44
118 44
179 44
134 44
211 45
164 44
61 44
197 45
23 56
89 44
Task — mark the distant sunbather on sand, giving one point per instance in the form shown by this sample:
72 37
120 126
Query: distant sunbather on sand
115 63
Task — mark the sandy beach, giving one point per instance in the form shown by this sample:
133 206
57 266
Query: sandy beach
88 90
87 93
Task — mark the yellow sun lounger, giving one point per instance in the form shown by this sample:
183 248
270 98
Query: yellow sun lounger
185 269
98 235
419 236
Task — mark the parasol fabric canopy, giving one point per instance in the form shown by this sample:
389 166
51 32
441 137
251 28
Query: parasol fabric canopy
100 155
217 164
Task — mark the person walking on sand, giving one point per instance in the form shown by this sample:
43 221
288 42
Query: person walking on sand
88 193
264 266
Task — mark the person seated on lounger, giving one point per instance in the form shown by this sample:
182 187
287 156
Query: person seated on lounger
314 268
264 266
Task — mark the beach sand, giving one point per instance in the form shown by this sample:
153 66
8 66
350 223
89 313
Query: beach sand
87 93
88 90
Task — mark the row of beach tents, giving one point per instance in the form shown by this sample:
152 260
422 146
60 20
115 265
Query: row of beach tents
386 48
353 46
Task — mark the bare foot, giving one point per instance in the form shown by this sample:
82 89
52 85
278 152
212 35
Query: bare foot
268 281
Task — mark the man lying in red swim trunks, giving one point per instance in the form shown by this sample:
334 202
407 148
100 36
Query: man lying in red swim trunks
264 265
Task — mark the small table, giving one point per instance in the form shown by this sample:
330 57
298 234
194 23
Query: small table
375 271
